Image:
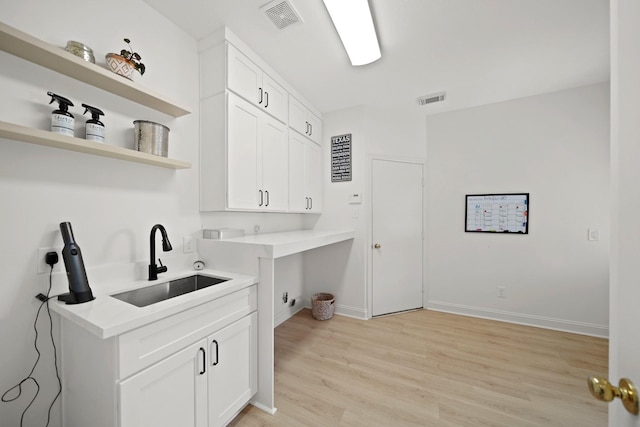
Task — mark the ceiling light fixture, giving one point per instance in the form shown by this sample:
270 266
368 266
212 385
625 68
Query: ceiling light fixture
353 21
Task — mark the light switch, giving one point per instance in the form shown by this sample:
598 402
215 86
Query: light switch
594 234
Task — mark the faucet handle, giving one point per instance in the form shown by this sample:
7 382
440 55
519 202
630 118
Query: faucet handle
162 268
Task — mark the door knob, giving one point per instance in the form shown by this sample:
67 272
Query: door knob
602 389
377 246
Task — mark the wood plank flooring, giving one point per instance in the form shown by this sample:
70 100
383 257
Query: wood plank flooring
426 368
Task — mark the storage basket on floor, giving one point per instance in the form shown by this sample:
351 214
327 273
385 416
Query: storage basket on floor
322 306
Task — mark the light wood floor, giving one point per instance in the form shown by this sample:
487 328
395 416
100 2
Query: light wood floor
426 368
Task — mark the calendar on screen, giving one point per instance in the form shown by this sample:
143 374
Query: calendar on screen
497 213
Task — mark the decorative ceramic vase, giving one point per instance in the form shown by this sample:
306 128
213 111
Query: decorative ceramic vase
120 65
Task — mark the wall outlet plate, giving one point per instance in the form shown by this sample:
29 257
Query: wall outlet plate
43 267
187 244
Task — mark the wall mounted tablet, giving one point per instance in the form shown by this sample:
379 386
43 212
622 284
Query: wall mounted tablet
497 213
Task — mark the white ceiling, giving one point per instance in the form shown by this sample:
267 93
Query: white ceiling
479 51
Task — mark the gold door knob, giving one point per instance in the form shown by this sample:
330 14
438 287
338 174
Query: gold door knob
377 246
602 389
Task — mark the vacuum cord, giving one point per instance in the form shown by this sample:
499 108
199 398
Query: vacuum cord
45 300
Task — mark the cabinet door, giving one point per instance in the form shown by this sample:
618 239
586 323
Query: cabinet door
243 127
170 393
298 199
233 369
244 77
275 98
315 128
274 167
298 116
313 176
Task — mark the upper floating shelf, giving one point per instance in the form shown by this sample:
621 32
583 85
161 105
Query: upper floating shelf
57 59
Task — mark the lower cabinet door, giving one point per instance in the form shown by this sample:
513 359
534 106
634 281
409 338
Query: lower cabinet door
233 369
171 393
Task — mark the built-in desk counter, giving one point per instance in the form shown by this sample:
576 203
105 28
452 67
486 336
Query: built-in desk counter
256 255
278 245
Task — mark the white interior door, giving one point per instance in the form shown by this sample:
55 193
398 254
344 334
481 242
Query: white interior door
397 236
624 295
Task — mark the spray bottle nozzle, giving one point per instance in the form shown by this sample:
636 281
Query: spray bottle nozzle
63 102
95 112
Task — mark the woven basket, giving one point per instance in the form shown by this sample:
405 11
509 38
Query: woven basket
322 306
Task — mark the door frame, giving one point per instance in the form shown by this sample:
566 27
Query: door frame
369 226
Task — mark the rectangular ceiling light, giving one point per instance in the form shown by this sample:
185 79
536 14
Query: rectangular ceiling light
354 23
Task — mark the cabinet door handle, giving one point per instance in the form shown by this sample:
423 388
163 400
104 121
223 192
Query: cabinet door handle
260 90
310 129
306 203
266 94
310 202
306 128
216 343
204 361
260 191
267 193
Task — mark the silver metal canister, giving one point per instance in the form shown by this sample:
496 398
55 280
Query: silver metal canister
81 50
151 137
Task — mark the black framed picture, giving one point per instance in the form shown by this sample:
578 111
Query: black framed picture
497 213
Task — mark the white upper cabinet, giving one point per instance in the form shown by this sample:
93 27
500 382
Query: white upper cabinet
246 121
248 80
305 175
302 120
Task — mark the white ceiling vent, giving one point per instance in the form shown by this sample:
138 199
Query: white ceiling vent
281 13
434 97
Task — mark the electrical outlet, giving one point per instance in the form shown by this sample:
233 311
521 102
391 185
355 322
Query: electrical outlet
594 234
285 297
43 267
502 292
292 303
187 244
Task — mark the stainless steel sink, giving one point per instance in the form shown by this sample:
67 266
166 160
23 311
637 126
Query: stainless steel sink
163 291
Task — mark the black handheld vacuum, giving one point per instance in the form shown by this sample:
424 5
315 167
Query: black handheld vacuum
79 290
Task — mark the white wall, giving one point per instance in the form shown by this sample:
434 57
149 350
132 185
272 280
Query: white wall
556 147
112 204
342 269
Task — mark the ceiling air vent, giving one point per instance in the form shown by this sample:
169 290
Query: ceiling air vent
281 13
430 99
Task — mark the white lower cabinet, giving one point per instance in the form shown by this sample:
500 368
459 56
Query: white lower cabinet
170 393
212 379
233 369
198 367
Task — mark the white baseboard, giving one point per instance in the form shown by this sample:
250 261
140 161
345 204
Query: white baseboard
348 311
286 313
582 328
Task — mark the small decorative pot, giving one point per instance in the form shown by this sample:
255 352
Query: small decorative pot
120 65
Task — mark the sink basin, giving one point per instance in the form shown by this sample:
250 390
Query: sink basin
163 291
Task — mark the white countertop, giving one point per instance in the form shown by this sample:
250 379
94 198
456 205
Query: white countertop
106 316
276 245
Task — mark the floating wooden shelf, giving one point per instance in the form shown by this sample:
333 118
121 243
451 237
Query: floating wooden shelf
57 59
51 139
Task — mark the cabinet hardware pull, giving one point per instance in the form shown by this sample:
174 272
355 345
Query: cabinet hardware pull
310 202
216 362
306 130
204 361
266 94
267 193
306 205
260 89
310 129
260 191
